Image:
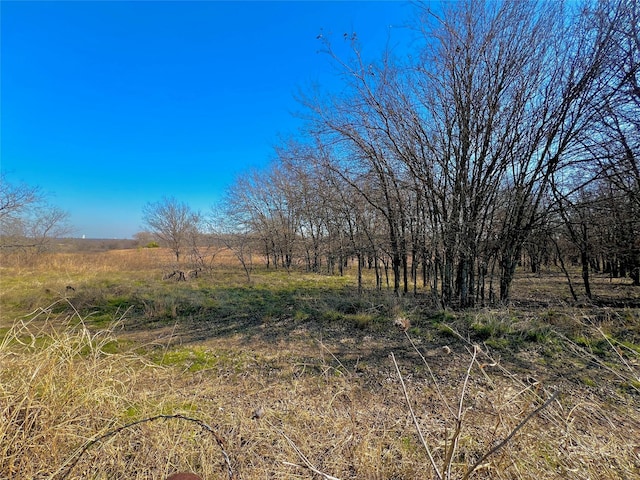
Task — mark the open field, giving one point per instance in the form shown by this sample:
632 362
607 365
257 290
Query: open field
295 375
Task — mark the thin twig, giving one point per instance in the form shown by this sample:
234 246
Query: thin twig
115 431
456 435
626 364
466 381
415 420
511 435
433 377
307 463
334 357
593 357
494 362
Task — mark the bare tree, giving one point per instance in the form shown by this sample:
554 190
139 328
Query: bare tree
173 223
27 221
335 219
458 148
361 144
614 143
231 224
509 89
14 199
451 161
145 239
597 191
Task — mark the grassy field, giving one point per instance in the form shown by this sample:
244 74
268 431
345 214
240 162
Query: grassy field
294 375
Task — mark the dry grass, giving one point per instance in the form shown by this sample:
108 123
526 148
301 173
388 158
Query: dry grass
85 399
61 390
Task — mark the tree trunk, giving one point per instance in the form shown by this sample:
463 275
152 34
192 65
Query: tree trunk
584 259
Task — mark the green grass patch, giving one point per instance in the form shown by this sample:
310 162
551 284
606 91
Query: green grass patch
332 316
190 359
362 320
589 382
491 327
196 359
630 345
539 334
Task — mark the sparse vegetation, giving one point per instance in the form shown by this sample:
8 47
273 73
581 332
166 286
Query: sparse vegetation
128 375
437 278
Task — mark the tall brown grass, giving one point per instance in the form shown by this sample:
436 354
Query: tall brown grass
72 409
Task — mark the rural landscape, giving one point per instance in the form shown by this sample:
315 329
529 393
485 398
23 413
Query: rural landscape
437 278
111 371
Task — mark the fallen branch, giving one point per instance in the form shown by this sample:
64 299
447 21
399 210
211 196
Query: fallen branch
415 420
70 464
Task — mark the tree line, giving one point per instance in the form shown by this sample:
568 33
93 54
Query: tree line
510 135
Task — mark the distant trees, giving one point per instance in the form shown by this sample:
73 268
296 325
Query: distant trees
145 239
173 223
28 221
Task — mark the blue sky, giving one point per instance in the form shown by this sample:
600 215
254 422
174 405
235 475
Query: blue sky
109 105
